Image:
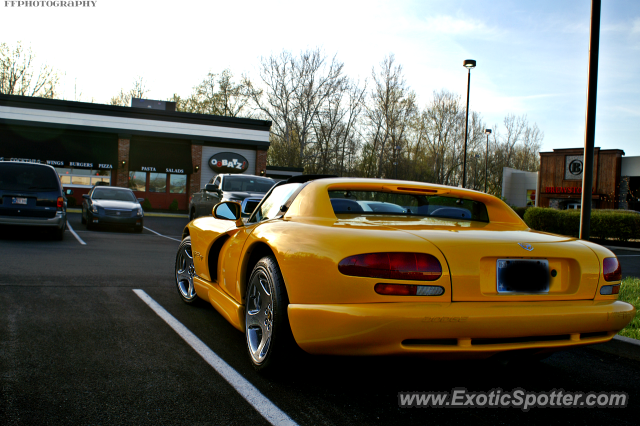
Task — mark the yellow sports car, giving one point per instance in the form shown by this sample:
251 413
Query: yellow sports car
380 267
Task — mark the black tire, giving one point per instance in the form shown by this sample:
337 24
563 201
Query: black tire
184 272
137 229
268 334
192 214
82 219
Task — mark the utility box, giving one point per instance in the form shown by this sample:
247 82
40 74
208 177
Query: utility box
151 104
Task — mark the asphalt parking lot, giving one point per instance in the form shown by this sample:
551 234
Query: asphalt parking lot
79 346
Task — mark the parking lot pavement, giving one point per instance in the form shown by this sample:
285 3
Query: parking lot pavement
78 346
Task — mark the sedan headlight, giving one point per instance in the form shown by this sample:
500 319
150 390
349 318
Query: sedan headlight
139 212
94 208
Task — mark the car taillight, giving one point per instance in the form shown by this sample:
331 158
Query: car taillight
60 202
395 266
611 269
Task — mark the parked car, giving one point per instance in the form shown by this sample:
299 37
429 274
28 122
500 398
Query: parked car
247 190
457 274
110 205
32 195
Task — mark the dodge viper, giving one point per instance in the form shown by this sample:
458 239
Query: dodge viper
354 266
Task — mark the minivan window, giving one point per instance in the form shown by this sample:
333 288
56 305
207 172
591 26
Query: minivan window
27 177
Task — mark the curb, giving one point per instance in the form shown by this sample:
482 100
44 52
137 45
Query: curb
621 346
179 215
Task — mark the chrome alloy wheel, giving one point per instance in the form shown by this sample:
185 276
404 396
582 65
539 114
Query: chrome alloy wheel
185 271
259 316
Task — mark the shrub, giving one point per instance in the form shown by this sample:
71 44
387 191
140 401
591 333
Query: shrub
542 219
174 205
71 201
616 224
146 205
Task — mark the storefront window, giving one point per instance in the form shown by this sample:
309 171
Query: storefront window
81 180
177 184
138 181
95 180
88 177
157 182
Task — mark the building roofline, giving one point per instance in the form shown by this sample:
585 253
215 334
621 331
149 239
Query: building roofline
131 112
597 148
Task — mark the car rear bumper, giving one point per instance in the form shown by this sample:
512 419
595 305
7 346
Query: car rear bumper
58 221
455 330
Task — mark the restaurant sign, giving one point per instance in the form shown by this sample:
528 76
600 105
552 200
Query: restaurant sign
564 190
228 162
58 163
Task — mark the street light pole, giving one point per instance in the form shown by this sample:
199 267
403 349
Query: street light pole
468 64
486 159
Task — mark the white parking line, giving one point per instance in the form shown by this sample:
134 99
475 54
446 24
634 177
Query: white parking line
266 408
160 235
75 235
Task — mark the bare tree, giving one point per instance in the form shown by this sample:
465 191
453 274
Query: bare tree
334 130
392 106
124 98
217 94
296 88
18 74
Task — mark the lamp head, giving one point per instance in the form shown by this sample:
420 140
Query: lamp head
487 132
469 63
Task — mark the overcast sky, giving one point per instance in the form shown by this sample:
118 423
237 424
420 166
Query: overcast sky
532 55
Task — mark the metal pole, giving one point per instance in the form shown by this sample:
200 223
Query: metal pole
486 165
466 124
590 131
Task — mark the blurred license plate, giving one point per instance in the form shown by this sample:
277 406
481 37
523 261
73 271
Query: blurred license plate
18 200
523 275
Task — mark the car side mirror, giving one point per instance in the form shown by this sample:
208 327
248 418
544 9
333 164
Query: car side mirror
140 200
211 187
228 210
68 191
85 196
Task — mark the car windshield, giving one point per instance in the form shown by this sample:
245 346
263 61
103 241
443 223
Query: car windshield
247 184
27 177
367 203
113 194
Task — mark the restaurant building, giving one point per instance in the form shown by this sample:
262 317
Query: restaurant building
558 184
560 178
164 156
